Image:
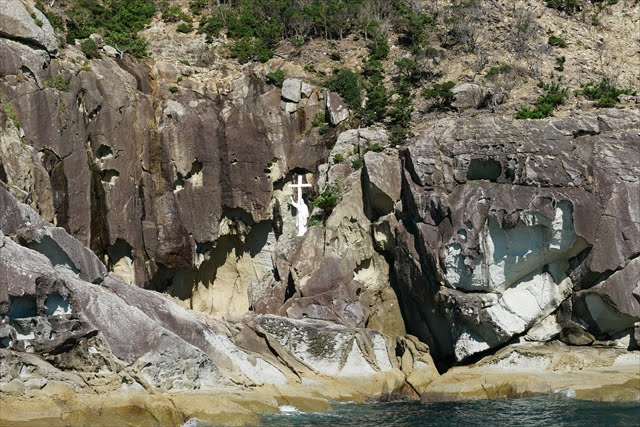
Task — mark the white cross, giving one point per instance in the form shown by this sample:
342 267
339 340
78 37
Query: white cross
299 186
303 211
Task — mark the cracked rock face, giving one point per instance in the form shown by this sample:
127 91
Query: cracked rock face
504 219
111 336
17 22
151 181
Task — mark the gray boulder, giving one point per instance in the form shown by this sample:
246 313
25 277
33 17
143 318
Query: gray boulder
292 90
21 22
612 306
469 95
383 178
337 109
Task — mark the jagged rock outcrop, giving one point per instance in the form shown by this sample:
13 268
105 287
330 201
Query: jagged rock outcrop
62 334
118 172
504 219
164 187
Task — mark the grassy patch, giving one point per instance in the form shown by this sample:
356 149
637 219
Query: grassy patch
58 82
604 92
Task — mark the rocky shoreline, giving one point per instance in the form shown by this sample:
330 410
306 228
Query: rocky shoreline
151 270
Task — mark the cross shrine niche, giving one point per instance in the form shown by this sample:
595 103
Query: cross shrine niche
303 210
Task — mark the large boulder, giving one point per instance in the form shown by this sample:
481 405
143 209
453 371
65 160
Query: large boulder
469 95
337 109
292 90
23 22
612 306
65 251
383 177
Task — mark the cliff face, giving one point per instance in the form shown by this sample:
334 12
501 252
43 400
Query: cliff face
512 220
478 233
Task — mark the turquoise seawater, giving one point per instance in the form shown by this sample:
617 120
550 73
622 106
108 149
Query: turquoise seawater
539 411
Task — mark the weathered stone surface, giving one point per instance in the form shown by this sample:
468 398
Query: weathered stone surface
63 337
65 251
519 213
613 305
337 109
469 95
17 23
531 370
545 330
292 90
328 348
383 176
15 55
136 197
416 363
110 51
15 215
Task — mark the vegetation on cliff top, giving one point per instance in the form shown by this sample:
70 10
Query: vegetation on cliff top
383 88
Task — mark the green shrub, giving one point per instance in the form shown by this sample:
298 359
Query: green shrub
55 20
560 60
500 69
398 134
348 85
10 112
557 41
173 89
184 28
357 163
196 6
323 128
409 71
328 199
372 71
170 13
335 56
316 220
297 41
58 82
377 104
318 120
441 93
185 62
211 26
90 49
376 148
276 77
545 104
604 92
118 20
567 6
378 48
338 158
413 28
246 50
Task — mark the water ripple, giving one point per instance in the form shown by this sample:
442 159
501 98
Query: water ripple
534 412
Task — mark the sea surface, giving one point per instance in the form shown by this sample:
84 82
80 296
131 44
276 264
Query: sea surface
539 411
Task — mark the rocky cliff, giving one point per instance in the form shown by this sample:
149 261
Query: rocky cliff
148 249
